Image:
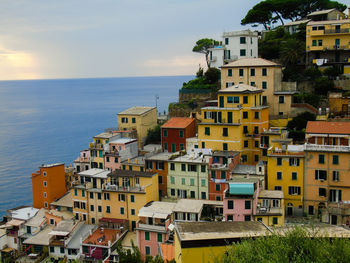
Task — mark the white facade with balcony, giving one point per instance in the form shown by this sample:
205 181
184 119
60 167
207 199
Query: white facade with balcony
235 45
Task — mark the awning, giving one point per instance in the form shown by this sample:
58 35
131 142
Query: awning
160 215
241 189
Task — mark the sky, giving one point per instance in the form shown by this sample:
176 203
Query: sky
44 39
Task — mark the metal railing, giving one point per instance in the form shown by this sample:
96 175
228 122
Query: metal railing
327 148
336 31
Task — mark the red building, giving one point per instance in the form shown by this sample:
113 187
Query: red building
221 165
175 131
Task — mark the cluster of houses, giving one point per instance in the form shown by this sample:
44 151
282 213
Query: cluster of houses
227 174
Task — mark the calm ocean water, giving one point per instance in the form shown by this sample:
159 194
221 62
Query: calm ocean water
49 121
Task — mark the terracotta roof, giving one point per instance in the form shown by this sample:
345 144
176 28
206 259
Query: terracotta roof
325 127
250 62
168 251
178 122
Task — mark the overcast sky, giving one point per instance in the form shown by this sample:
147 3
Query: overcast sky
110 38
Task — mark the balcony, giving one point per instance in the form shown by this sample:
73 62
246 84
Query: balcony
338 47
269 211
116 188
326 148
264 146
218 166
317 32
56 242
337 31
98 146
157 227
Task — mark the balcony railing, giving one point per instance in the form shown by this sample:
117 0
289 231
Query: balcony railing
218 166
268 210
327 148
336 47
113 187
157 227
337 31
96 146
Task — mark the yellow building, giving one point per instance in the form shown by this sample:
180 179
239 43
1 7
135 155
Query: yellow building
263 74
285 172
107 196
328 43
134 164
138 118
208 241
236 123
270 208
97 148
273 136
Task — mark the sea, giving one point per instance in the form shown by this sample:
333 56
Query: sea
50 121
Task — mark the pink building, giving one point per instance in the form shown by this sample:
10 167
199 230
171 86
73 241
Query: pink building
241 199
82 163
118 151
152 227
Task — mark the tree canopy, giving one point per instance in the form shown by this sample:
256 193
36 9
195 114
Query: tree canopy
203 45
268 12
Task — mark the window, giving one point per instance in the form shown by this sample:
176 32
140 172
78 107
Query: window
52 221
229 73
124 120
322 191
83 193
192 182
207 130
320 42
91 195
294 162
132 212
159 237
107 159
172 192
181 134
246 144
165 146
133 120
223 174
294 190
336 176
314 42
45 183
122 210
147 236
52 249
132 198
245 114
279 175
224 147
76 192
280 99
247 218
92 208
203 182
244 158
108 209
172 166
256 130
320 175
256 115
229 99
182 146
217 187
279 161
192 167
335 195
172 179
225 132
230 204
242 40
121 197
183 181
242 52
252 72
264 84
203 169
45 195
93 220
247 204
245 99
44 174
203 195
160 179
241 72
62 250
256 158
165 133
256 144
99 196
278 188
203 145
335 159
226 41
192 194
213 174
294 176
106 196
245 129
264 72
99 208
275 220
236 99
183 167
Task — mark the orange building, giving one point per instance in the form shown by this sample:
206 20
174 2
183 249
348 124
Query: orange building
48 184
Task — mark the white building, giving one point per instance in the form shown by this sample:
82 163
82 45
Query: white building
236 45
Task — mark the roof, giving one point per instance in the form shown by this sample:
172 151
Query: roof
241 188
102 236
95 172
251 62
178 122
74 242
41 238
219 230
152 147
244 169
65 201
138 160
324 127
163 156
11 223
299 22
226 154
137 110
329 22
271 194
38 219
105 135
322 12
64 226
116 173
188 206
50 165
123 140
157 210
241 88
66 215
24 213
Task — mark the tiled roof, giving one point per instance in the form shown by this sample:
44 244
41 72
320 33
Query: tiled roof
250 62
325 127
178 122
